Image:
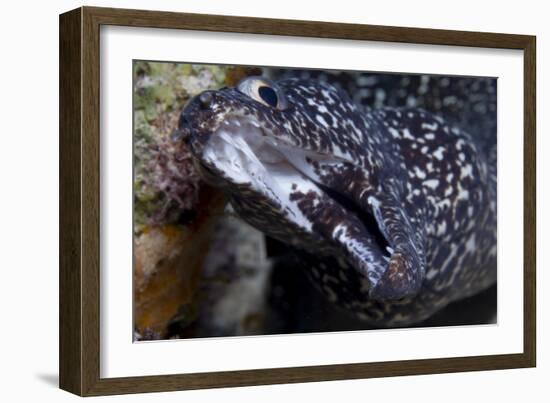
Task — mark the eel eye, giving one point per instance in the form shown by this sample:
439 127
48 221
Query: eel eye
269 95
263 91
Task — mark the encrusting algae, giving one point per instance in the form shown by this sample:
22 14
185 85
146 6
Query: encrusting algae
172 233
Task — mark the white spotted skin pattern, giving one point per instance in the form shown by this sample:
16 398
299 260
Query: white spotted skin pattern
429 186
452 196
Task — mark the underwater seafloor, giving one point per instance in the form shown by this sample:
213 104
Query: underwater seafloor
200 271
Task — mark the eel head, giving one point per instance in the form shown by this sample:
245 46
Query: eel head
295 159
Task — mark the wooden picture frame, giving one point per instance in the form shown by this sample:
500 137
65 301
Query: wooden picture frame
79 200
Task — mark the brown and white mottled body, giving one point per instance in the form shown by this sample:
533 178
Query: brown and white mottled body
393 209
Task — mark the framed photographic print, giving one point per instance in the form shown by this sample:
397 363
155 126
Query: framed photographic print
250 201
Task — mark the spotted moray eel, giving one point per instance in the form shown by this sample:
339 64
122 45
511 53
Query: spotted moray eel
392 208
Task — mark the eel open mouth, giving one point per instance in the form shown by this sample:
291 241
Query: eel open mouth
245 154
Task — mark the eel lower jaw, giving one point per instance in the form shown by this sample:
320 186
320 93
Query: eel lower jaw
242 153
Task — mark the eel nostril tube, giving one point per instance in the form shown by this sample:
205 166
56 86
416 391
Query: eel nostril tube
205 98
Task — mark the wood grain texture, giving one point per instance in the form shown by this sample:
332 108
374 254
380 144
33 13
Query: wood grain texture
530 204
316 29
80 196
70 275
90 202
